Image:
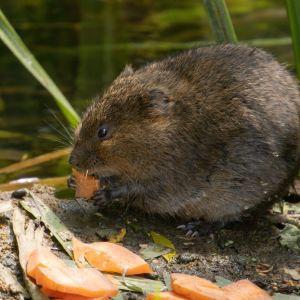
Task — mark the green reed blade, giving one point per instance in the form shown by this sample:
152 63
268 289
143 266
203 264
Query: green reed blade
220 21
293 10
11 39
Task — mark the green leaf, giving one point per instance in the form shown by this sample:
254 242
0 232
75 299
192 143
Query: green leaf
139 284
118 297
154 250
106 233
221 281
220 21
290 237
11 39
293 10
132 287
167 280
278 296
163 241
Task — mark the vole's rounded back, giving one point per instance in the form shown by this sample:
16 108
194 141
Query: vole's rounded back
209 133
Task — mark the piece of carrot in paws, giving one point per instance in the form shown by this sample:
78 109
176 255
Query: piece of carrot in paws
86 185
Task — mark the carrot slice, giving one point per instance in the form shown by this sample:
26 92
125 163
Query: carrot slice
42 257
245 290
86 185
65 296
195 288
164 296
110 257
79 250
83 282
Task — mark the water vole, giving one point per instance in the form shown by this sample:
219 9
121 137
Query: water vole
209 133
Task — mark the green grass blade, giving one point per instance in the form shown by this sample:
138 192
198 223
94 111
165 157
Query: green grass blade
220 21
293 10
11 39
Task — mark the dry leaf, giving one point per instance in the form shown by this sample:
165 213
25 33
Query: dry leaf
293 273
28 239
117 238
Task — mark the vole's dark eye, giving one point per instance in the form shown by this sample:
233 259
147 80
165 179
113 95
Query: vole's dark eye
103 131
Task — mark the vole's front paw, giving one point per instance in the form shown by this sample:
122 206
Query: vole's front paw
102 198
105 196
71 182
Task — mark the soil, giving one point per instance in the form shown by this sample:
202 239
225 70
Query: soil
249 249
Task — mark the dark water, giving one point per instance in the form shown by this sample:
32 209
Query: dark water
84 44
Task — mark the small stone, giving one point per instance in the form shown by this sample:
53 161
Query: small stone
186 258
242 260
225 243
131 296
19 194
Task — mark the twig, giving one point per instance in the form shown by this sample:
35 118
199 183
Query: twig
29 163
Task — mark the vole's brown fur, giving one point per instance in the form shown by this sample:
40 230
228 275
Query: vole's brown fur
209 133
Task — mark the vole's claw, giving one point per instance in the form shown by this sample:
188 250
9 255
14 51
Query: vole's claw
189 226
199 228
182 227
71 182
189 233
195 234
192 233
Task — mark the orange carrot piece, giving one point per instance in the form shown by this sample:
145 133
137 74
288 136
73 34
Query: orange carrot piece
65 296
85 282
195 288
110 257
79 250
86 185
75 297
164 296
245 290
42 257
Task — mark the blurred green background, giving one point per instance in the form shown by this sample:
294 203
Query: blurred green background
84 44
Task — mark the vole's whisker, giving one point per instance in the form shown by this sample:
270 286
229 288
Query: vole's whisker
65 138
61 142
67 131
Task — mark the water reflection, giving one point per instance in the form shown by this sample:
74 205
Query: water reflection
84 44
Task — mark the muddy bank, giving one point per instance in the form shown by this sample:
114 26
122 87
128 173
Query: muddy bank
243 250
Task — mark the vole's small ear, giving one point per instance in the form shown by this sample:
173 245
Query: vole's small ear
127 71
159 100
